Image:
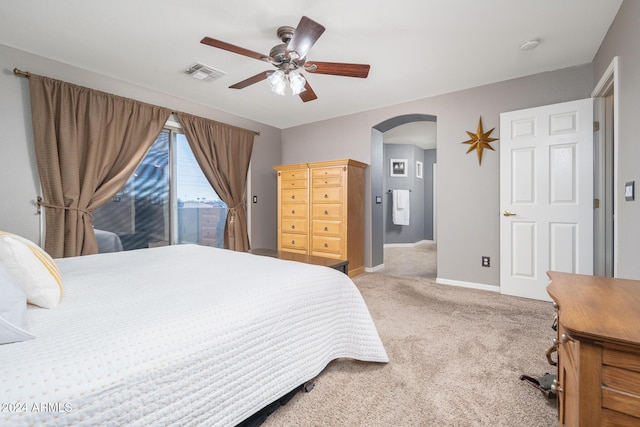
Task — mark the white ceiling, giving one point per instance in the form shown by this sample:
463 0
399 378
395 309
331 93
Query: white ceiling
416 48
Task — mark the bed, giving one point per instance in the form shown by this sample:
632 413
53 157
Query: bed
180 335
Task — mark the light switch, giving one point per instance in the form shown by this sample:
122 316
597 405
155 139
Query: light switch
629 190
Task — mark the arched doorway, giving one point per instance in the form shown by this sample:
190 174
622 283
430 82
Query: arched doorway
378 192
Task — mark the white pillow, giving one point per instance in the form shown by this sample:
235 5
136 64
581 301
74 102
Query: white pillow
32 268
13 308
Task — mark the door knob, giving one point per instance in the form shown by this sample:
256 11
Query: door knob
507 213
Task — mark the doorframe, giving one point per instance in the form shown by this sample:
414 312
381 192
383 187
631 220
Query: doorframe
374 256
607 85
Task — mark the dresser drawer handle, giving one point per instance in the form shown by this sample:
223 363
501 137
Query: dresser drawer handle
563 339
326 196
326 229
326 212
555 387
293 212
293 196
293 227
326 245
293 242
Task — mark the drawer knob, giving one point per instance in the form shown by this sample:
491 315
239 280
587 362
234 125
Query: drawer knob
326 212
326 196
564 338
293 212
293 196
326 229
293 227
326 245
293 242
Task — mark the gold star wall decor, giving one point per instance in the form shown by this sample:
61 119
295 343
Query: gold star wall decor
480 140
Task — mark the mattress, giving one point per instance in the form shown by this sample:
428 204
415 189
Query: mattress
180 335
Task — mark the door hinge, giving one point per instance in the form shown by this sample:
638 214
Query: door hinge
596 203
596 126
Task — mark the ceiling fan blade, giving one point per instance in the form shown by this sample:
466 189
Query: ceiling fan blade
306 34
308 94
235 49
338 69
251 80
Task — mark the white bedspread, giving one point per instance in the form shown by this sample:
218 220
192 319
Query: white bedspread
180 335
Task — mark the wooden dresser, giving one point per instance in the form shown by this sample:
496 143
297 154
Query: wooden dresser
321 210
598 381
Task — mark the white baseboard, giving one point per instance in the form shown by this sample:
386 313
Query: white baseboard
407 245
374 269
472 285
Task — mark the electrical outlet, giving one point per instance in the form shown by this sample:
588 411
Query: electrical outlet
486 261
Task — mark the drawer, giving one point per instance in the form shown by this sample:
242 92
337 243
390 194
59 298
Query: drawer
327 195
294 241
295 195
294 174
326 172
621 402
327 244
621 380
621 359
294 183
327 211
327 180
293 210
294 225
330 228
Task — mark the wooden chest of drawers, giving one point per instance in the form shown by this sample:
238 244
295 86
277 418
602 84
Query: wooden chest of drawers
321 210
598 380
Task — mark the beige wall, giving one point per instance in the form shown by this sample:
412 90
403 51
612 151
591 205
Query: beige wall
19 183
622 41
468 194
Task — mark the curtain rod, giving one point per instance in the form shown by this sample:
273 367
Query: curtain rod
19 72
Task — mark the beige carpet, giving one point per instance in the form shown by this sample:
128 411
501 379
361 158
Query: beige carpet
455 359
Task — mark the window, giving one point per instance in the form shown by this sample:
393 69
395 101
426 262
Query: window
167 200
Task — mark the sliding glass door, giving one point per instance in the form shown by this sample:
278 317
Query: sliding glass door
167 200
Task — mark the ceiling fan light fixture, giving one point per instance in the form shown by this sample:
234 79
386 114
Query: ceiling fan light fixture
277 82
297 82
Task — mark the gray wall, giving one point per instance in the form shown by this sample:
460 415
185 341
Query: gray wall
421 197
467 194
18 174
622 41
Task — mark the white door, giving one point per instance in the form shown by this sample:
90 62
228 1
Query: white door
546 195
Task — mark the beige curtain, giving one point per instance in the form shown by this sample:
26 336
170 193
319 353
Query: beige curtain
87 144
223 153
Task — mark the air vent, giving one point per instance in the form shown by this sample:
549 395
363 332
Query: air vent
204 72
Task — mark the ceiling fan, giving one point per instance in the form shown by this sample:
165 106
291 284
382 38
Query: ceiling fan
289 58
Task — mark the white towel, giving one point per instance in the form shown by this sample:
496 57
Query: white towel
400 207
